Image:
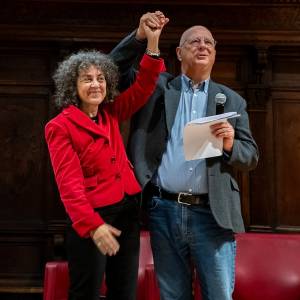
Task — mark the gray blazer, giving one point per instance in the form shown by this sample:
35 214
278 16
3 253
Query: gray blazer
151 128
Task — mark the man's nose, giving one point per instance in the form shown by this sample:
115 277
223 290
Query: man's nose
201 43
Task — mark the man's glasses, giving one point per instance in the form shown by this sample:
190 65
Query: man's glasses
196 42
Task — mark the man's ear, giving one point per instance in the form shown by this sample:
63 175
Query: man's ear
178 53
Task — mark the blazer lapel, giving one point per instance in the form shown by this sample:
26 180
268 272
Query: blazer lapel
78 117
213 89
172 97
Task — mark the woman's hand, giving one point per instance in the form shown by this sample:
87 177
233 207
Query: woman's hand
150 27
153 20
105 239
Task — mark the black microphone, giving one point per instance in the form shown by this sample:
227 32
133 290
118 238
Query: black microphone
220 100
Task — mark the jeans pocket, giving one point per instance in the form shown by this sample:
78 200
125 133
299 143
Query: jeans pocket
153 203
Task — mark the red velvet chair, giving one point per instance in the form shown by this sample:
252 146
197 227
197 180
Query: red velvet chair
267 267
146 259
56 280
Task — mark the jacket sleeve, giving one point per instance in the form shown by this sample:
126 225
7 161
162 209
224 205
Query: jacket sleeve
127 55
131 100
70 180
244 154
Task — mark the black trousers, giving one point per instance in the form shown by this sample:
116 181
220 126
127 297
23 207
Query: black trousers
87 264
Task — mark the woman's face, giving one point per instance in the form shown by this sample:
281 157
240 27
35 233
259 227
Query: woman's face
91 88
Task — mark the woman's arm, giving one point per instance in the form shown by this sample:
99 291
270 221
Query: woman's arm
150 67
70 179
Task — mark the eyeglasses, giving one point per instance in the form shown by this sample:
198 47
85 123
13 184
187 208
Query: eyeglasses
196 42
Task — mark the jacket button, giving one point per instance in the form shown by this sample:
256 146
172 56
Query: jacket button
113 159
118 176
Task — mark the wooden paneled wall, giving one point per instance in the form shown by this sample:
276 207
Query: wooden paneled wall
258 55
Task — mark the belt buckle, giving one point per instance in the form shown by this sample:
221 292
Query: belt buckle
183 194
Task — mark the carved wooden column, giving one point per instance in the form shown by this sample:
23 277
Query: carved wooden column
259 216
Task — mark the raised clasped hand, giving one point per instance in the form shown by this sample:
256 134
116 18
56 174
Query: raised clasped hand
151 25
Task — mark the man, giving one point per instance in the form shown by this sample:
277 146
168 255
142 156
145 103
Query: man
194 206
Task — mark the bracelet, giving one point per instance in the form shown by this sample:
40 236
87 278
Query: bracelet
153 54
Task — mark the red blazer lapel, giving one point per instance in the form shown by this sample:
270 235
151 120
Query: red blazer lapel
78 117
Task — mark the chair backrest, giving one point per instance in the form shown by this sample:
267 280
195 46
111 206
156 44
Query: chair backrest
267 267
146 259
56 281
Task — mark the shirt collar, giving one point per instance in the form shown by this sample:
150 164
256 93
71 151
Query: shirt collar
188 85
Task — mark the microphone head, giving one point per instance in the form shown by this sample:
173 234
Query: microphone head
220 99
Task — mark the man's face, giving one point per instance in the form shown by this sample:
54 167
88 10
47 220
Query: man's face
197 50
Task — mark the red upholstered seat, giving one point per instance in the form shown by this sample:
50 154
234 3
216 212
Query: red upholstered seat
267 267
151 286
56 280
146 259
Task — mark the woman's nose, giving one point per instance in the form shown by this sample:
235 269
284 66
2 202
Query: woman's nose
94 82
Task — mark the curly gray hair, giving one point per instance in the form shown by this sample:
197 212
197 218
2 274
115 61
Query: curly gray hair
65 77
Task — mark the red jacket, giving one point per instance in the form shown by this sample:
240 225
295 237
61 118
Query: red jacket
89 160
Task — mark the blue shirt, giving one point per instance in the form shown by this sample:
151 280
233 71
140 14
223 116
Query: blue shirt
175 174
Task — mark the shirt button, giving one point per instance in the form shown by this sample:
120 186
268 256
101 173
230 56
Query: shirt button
190 169
194 111
113 159
118 176
190 190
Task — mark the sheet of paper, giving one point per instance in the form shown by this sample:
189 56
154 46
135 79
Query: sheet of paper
198 141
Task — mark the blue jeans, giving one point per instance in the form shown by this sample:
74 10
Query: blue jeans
182 236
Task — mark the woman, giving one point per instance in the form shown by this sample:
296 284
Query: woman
94 176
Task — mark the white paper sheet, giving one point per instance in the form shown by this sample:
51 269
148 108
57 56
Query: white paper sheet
198 141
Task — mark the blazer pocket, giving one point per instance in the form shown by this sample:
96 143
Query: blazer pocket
90 182
234 184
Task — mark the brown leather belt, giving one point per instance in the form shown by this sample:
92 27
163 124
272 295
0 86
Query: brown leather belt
183 198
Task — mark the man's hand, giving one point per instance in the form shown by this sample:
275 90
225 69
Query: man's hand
224 130
104 238
151 21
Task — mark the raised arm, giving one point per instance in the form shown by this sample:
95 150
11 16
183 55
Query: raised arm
128 53
151 66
